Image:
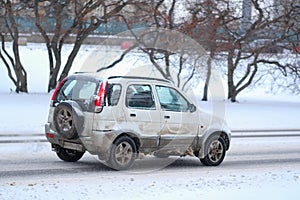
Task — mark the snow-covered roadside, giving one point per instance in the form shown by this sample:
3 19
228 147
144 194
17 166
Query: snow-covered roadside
23 113
263 114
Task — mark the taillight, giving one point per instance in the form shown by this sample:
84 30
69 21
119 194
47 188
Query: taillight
56 91
99 101
50 135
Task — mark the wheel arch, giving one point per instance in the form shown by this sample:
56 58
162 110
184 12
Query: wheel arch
133 136
206 137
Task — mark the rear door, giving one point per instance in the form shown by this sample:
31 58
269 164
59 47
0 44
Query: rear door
79 89
142 114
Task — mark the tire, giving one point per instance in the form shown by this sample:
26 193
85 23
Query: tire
123 153
215 150
67 121
69 155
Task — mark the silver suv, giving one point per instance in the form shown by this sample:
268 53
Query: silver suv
121 117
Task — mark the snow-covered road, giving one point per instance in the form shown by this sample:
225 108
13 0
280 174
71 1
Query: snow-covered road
254 168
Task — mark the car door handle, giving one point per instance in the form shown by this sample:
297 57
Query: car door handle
167 117
132 115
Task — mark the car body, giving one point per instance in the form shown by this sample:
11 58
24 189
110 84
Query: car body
120 117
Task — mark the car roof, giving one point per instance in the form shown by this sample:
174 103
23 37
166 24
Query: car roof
117 78
139 78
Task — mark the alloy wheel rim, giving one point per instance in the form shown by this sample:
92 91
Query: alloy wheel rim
124 153
65 120
215 151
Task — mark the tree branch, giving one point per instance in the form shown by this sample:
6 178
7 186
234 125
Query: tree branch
119 60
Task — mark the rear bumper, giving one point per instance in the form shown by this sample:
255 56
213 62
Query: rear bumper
55 139
98 143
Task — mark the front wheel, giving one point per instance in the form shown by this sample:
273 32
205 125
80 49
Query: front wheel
215 150
123 153
69 155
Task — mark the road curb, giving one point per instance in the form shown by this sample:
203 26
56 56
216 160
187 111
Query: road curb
22 138
265 133
264 130
6 138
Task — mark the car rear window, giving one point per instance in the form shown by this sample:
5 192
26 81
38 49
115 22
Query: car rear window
76 89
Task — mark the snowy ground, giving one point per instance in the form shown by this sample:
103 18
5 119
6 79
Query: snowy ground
254 178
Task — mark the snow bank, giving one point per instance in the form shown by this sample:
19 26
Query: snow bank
23 113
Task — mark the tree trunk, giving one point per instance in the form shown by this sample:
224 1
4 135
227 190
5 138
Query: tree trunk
21 75
19 69
233 97
54 73
230 73
208 75
48 44
71 58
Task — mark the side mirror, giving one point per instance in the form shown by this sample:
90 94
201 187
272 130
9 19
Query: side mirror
192 108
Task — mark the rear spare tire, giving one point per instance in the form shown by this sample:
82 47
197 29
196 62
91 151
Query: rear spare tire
68 119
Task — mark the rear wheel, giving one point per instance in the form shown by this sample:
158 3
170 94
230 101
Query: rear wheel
123 153
215 150
69 155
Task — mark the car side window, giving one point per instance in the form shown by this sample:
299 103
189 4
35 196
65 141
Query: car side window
113 94
140 97
171 100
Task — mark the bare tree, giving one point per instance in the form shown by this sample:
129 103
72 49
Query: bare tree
171 52
85 16
248 47
222 30
13 64
293 25
208 17
246 43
